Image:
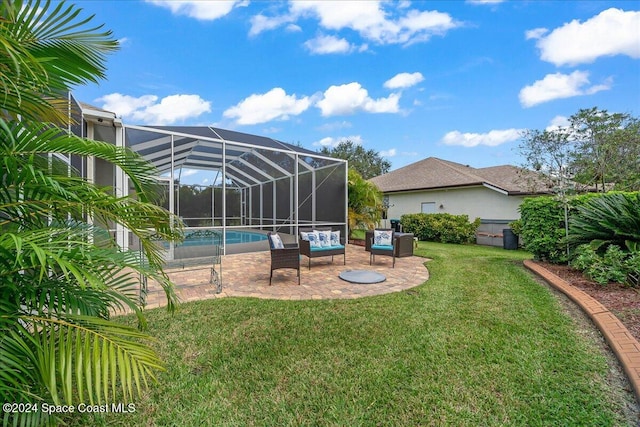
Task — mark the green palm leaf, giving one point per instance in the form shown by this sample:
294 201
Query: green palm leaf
62 275
92 352
613 218
44 51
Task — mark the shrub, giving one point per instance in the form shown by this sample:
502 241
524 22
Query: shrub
633 269
441 227
516 227
612 219
542 228
615 265
542 223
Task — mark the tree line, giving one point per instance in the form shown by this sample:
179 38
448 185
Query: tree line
596 150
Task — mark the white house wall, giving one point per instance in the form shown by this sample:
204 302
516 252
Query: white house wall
476 202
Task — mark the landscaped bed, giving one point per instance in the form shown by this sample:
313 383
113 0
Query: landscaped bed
480 343
622 300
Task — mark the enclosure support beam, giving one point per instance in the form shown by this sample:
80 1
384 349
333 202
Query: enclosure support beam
172 190
296 196
122 189
313 197
224 198
261 204
275 198
291 198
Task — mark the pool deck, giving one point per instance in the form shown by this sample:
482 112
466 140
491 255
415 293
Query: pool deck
247 275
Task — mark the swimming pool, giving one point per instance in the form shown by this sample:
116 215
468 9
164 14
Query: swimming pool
209 238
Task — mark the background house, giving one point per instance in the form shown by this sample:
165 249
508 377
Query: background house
433 185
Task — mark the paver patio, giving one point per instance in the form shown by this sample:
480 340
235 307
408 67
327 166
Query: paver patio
247 275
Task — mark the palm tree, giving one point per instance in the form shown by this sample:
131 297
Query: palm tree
61 275
365 202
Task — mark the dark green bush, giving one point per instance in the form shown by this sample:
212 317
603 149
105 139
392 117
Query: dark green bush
441 227
614 265
516 227
612 219
542 226
604 234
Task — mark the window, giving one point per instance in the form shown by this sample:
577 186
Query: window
428 207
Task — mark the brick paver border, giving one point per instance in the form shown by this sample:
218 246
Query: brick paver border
624 345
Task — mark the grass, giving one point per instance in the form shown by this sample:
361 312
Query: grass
480 343
358 234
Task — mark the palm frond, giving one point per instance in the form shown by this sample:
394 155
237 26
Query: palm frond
94 356
613 218
68 256
44 51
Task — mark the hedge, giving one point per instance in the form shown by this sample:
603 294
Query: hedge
542 226
440 227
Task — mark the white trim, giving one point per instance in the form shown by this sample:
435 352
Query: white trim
494 188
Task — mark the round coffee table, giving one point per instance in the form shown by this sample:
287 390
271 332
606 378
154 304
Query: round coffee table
362 276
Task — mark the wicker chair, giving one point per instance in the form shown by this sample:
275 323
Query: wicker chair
287 257
306 250
378 249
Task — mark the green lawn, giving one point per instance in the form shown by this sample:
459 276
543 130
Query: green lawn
480 343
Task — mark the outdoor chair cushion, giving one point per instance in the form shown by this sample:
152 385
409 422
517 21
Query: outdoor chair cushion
382 247
382 237
324 236
335 238
327 248
276 241
314 239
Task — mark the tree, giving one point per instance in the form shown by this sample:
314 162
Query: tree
61 274
596 150
365 202
549 153
607 149
547 158
368 163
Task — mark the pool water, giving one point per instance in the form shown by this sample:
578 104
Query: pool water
233 237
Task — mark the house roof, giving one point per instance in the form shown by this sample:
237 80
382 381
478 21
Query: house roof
433 173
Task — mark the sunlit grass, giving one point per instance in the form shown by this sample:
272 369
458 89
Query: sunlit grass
480 343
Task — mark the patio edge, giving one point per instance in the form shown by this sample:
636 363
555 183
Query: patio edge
622 343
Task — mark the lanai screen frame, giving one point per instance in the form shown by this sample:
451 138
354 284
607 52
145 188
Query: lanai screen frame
230 153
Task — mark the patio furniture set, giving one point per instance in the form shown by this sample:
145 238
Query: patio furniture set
316 243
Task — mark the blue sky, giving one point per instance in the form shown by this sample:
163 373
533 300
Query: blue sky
458 80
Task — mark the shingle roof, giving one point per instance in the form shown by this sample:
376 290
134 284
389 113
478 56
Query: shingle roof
433 173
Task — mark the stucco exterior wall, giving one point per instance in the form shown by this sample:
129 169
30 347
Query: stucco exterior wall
476 202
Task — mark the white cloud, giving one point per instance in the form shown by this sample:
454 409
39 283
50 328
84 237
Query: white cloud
146 109
557 86
388 153
260 23
188 172
293 28
403 80
261 108
352 97
370 19
333 142
612 32
558 122
323 45
535 34
201 10
491 139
